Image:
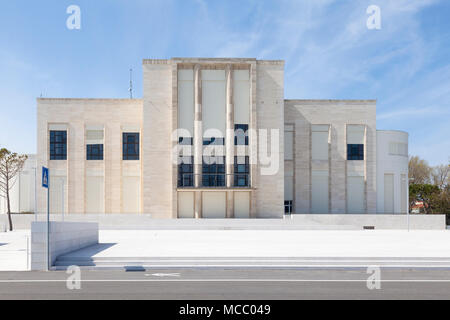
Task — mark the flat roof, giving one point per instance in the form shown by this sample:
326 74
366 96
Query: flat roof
87 100
332 100
211 60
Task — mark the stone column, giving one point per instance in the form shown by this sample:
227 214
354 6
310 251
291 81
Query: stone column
198 139
229 140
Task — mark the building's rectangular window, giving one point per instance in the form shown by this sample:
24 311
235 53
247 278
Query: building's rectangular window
58 145
186 172
319 142
213 172
288 142
355 141
185 141
355 152
214 99
398 149
319 191
355 195
94 152
288 206
130 146
213 141
241 134
241 172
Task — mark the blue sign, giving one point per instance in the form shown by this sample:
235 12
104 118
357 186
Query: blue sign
45 177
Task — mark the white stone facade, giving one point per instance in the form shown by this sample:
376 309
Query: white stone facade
309 170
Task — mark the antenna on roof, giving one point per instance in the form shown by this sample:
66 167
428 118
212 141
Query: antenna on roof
131 84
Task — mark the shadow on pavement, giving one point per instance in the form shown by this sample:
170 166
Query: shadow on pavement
91 250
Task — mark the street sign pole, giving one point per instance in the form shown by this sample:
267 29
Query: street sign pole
46 184
48 229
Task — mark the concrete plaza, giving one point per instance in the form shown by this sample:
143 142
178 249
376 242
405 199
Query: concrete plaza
138 245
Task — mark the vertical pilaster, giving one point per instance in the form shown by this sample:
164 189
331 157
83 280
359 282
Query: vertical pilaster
198 139
229 142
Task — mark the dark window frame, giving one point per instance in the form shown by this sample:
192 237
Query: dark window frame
185 141
216 141
242 172
94 151
238 139
288 206
355 151
214 174
130 146
186 173
58 145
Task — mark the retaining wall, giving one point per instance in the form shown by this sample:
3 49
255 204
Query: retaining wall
65 237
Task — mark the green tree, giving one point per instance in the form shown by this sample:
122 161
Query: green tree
10 166
425 193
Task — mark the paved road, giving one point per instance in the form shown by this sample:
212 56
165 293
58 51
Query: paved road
229 284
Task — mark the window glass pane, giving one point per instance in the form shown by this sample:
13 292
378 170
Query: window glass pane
355 152
213 170
130 146
58 145
241 134
94 152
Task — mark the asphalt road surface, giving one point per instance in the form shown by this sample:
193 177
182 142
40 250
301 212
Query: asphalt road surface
229 284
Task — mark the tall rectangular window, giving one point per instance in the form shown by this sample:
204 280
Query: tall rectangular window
213 172
186 172
289 142
241 134
241 172
58 145
355 152
94 152
319 142
130 146
355 141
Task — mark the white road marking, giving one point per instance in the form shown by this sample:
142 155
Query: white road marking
163 275
230 280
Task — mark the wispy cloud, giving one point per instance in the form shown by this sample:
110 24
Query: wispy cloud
329 53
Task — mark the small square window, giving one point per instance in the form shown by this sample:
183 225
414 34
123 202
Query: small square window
355 152
94 152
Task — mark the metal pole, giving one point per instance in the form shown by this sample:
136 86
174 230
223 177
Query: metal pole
28 252
48 224
35 194
407 218
63 204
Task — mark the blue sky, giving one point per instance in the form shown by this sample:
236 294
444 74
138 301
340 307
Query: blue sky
329 53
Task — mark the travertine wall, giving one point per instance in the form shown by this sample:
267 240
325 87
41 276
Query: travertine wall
338 114
158 126
115 116
269 194
156 118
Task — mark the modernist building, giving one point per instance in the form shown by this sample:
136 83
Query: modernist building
215 138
